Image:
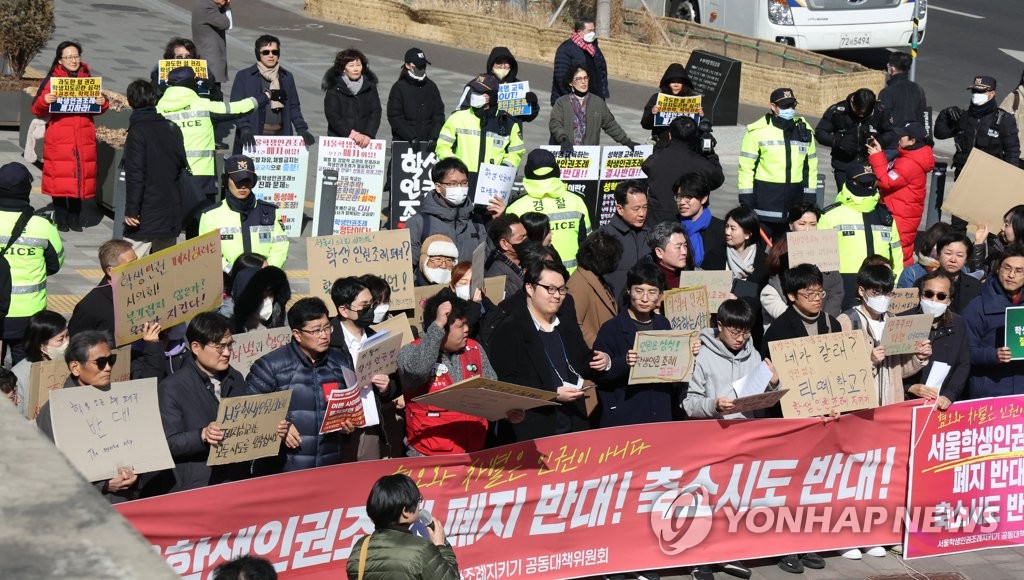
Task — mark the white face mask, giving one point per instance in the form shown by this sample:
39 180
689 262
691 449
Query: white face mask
456 195
57 352
589 37
879 304
501 73
437 275
422 73
267 308
476 100
979 99
936 309
379 312
462 292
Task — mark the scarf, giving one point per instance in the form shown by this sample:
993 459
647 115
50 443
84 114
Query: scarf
271 75
927 262
577 39
579 118
354 86
693 228
741 265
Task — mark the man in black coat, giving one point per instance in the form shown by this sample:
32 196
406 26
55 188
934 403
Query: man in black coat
415 109
95 311
904 98
189 400
847 125
154 156
580 49
674 158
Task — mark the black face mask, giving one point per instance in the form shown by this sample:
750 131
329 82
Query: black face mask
364 318
518 248
578 93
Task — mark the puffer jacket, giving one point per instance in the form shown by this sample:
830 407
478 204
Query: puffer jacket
288 368
395 552
847 134
903 185
714 372
347 112
986 332
69 149
461 224
154 154
415 109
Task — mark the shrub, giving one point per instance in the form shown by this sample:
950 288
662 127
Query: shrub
25 28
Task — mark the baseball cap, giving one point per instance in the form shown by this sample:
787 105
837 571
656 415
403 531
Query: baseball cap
181 75
540 164
914 130
416 57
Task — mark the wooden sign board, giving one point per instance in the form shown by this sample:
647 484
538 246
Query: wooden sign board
663 356
824 373
902 333
250 427
486 398
387 254
687 308
818 247
717 282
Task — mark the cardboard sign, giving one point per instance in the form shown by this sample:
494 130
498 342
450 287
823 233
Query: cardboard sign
1015 331
1001 182
250 427
198 66
757 402
818 247
512 98
168 287
122 370
343 405
281 163
410 179
348 199
387 254
102 430
902 333
250 346
671 106
494 288
717 282
76 94
663 356
396 325
903 299
486 398
824 373
476 278
687 308
379 356
494 181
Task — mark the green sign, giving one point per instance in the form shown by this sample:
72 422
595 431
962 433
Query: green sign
1015 331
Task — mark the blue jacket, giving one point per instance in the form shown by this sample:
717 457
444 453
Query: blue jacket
986 331
248 83
288 368
632 404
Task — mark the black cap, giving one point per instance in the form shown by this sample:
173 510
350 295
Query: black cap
416 57
983 83
540 164
239 168
484 84
783 98
860 179
914 130
182 75
15 181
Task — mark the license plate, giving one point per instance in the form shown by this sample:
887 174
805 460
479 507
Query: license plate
855 40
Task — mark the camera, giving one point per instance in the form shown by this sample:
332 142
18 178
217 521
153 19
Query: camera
707 139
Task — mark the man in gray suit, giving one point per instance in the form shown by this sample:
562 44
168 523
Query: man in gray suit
211 19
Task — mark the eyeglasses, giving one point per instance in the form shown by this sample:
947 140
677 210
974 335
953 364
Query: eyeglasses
929 294
737 332
322 331
102 362
440 261
456 184
220 347
267 52
811 294
580 79
640 292
552 290
73 57
1007 269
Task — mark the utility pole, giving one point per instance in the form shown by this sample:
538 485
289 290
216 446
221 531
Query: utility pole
602 20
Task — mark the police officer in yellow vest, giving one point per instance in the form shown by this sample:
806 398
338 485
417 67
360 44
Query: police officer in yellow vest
865 227
184 107
778 164
547 194
35 253
247 225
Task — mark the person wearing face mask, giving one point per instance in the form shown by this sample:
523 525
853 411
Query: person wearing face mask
866 226
778 163
260 296
380 290
246 224
675 82
504 66
46 338
438 256
849 125
351 102
993 372
578 118
983 125
479 303
580 50
415 109
949 344
507 234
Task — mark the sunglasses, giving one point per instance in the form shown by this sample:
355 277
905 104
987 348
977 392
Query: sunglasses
269 52
103 361
929 294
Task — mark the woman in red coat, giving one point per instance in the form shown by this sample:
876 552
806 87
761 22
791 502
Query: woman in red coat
904 182
69 150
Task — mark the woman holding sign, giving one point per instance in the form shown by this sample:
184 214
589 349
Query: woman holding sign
674 83
69 151
944 377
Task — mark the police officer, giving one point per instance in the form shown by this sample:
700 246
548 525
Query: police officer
847 125
865 227
247 225
34 253
778 164
983 125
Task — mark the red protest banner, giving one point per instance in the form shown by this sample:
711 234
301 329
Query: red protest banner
967 478
597 502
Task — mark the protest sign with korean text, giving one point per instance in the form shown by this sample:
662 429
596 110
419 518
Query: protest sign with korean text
487 398
377 356
494 181
717 282
198 66
687 308
824 373
818 247
1015 331
250 427
387 254
410 179
168 287
103 430
903 299
671 106
76 94
350 192
902 334
512 98
663 356
250 346
281 165
47 375
756 402
618 163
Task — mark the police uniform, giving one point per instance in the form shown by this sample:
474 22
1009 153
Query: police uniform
985 127
478 136
246 225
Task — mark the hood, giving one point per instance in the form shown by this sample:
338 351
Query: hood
922 156
675 71
501 51
549 187
861 204
709 341
332 80
176 99
249 287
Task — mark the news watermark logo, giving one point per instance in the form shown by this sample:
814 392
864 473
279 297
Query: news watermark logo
682 519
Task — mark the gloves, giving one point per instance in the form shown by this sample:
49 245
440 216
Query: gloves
953 114
247 139
567 147
631 144
308 138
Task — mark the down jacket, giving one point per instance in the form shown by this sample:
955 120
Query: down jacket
903 185
986 332
347 112
288 368
69 149
395 552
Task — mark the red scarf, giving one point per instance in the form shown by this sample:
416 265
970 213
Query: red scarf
587 46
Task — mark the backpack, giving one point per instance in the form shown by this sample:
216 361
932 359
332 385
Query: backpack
6 284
